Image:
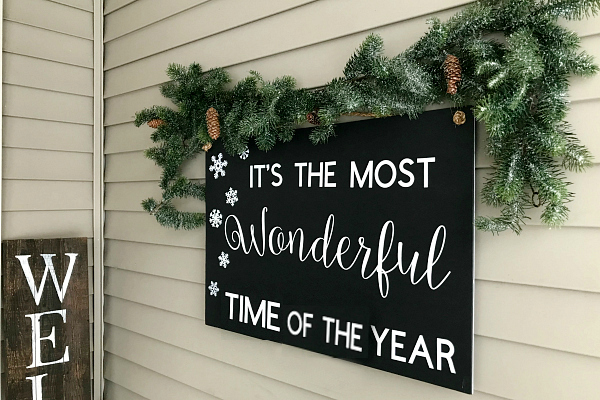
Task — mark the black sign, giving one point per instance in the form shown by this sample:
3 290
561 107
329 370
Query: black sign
361 248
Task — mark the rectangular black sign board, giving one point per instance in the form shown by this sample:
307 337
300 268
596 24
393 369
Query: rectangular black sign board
361 248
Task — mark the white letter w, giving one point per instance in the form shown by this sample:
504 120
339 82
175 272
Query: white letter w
37 292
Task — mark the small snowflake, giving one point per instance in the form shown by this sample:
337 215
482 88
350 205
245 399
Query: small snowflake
216 218
244 154
218 166
213 288
224 259
231 197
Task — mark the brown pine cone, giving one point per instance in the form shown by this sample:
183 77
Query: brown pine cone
212 123
155 123
452 72
207 146
313 117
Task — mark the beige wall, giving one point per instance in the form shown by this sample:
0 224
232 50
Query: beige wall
537 295
47 118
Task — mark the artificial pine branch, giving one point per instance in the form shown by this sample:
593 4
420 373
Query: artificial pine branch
517 87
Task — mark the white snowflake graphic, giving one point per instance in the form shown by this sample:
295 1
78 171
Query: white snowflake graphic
213 288
218 166
244 154
216 218
224 259
231 197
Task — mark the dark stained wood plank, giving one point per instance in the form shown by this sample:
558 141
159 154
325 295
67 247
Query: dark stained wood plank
68 380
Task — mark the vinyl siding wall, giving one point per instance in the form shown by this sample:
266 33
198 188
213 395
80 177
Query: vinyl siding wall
47 119
537 297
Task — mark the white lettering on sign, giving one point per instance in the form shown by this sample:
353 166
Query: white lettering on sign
279 242
36 336
36 386
37 292
264 314
350 333
36 339
418 350
366 178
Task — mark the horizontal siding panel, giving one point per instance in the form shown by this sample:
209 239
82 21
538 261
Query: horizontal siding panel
112 5
548 320
42 43
319 373
134 166
218 379
143 13
146 382
518 371
122 109
584 208
587 88
560 258
47 135
166 261
63 19
142 227
19 101
48 75
585 121
584 27
128 196
46 195
87 5
114 391
46 224
557 319
221 16
299 27
397 37
46 165
127 137
177 296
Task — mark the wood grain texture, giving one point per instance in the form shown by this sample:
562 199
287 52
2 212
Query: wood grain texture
68 380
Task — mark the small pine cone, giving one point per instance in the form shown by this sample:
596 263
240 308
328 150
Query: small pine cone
207 146
313 117
212 123
452 72
459 118
155 123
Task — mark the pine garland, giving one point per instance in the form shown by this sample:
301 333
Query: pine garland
517 87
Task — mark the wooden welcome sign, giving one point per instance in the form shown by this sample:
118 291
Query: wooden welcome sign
46 319
361 248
